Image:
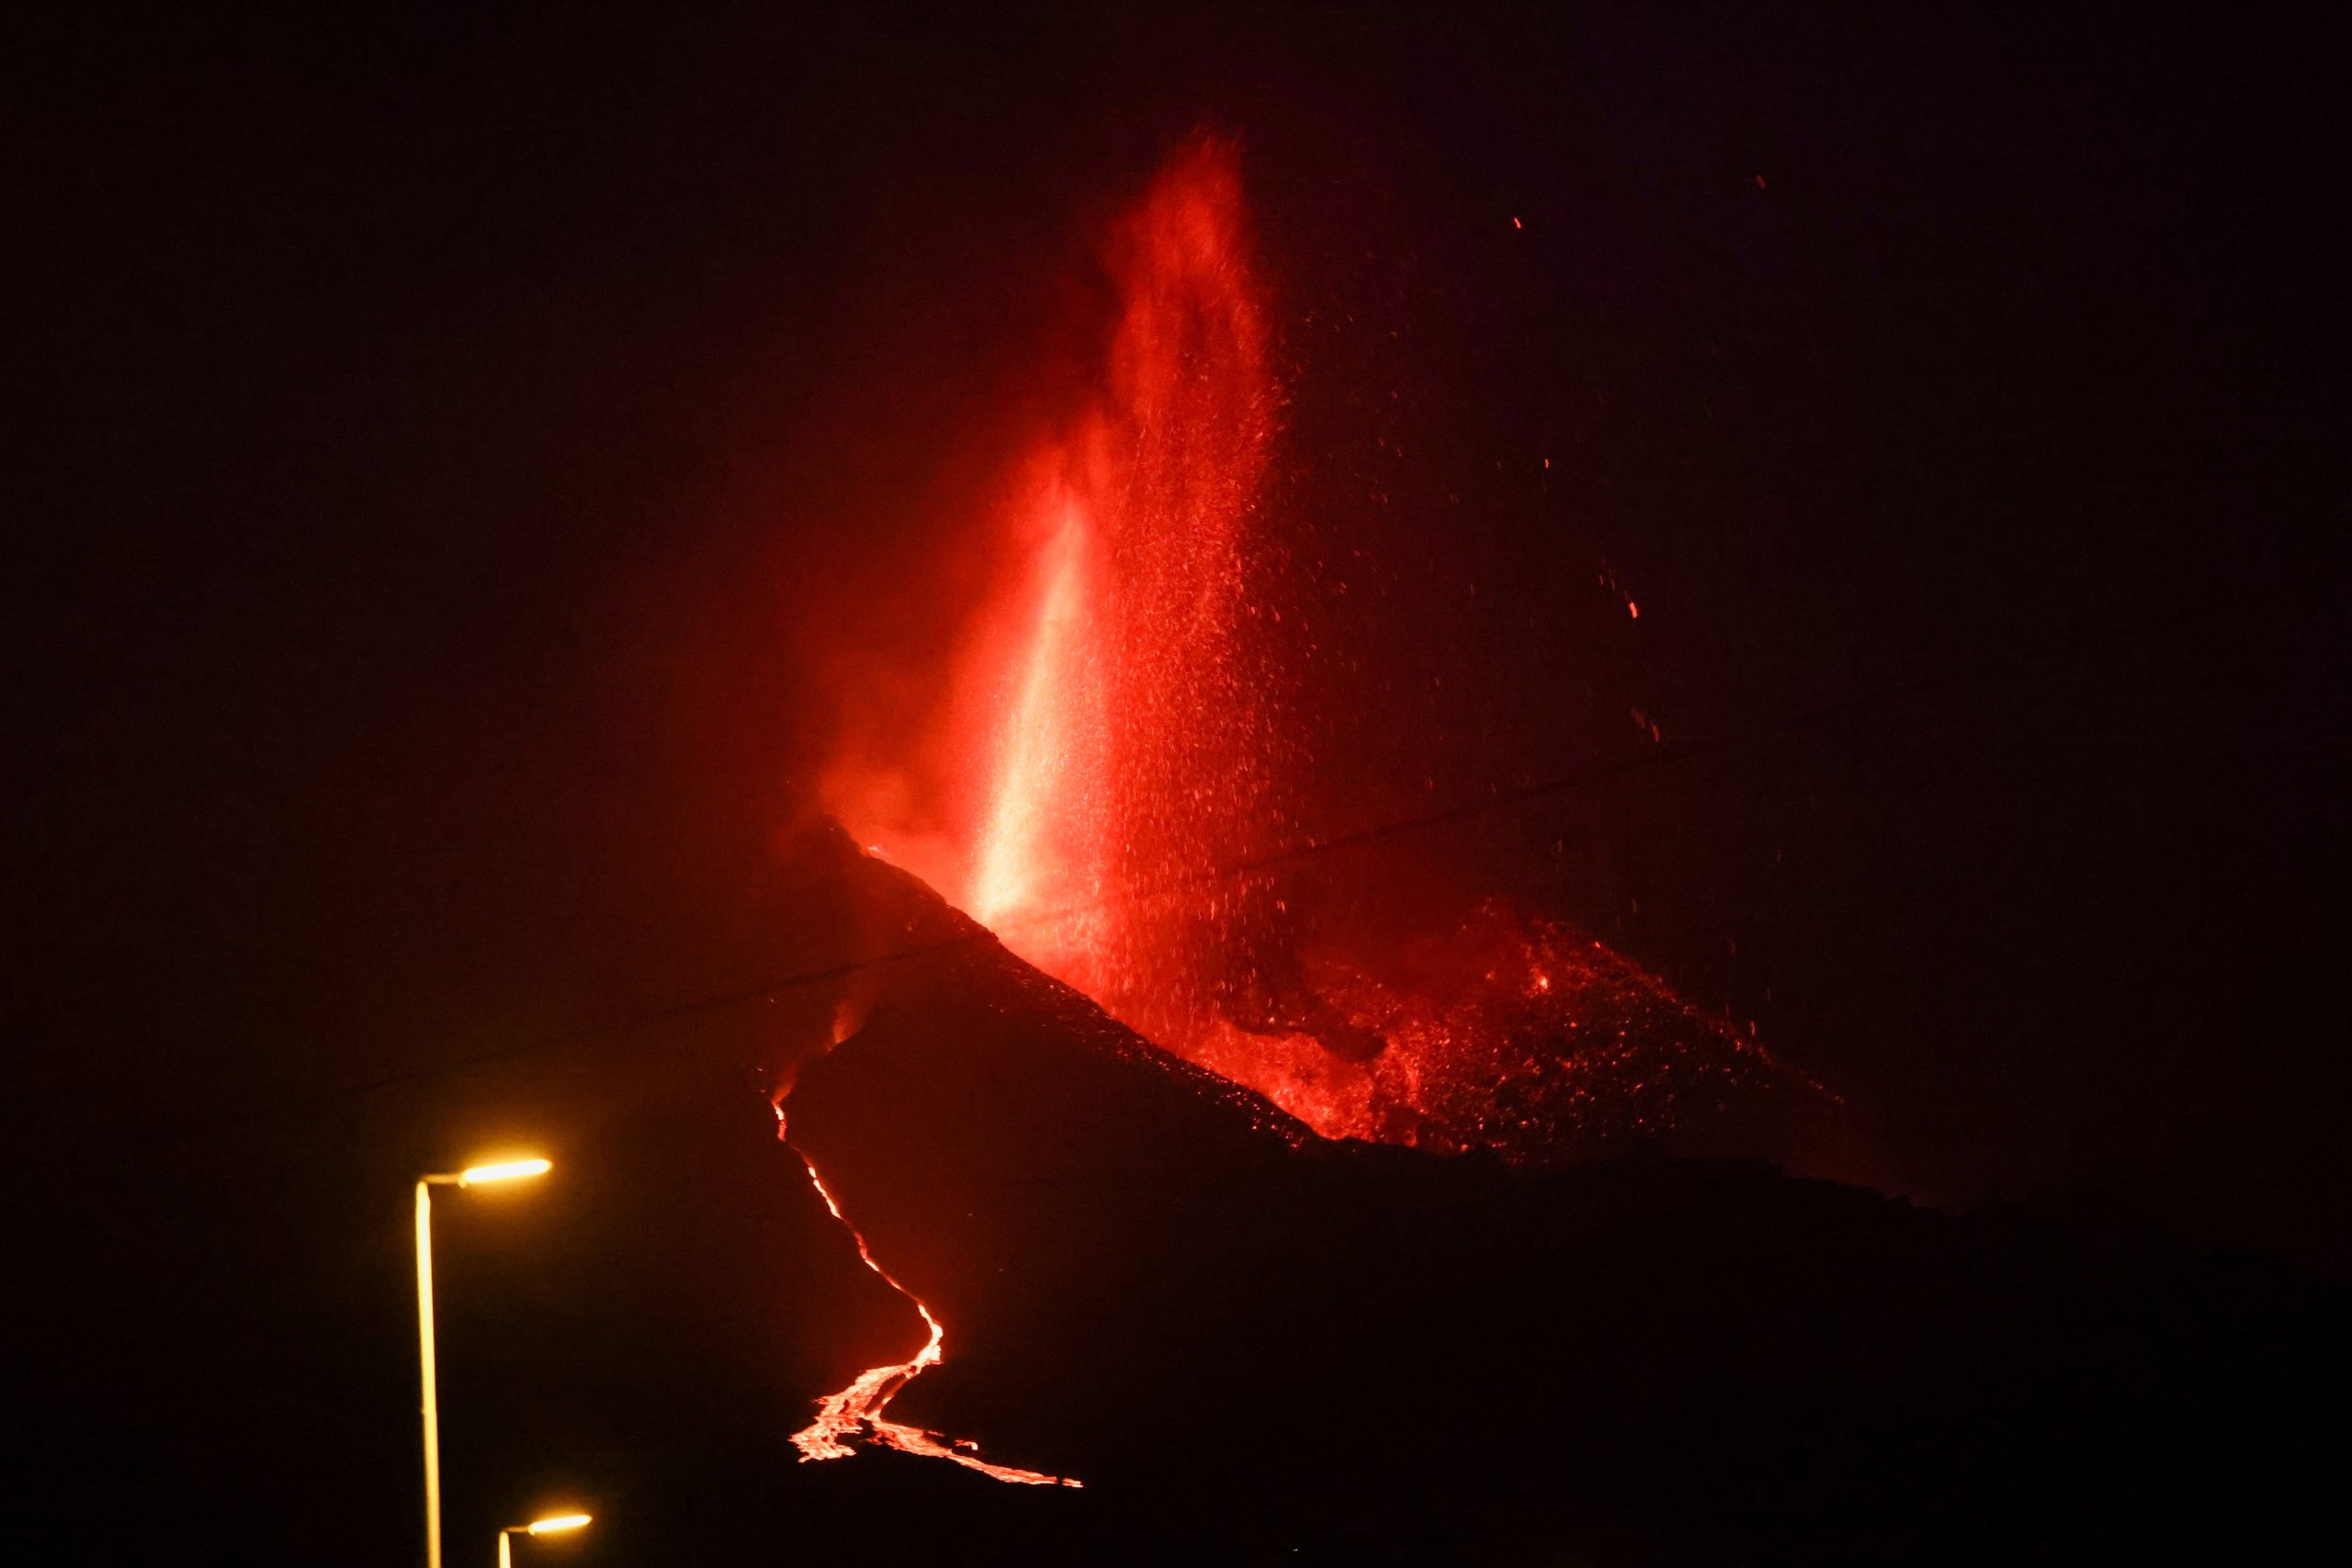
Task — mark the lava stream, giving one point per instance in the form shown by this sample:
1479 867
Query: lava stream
842 1416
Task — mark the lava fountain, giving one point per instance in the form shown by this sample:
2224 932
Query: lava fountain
1118 750
1028 856
1124 685
1112 734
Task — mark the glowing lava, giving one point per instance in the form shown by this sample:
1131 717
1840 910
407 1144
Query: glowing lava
858 1409
1026 843
1116 746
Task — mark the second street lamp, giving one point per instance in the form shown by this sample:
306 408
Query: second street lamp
473 1176
537 1527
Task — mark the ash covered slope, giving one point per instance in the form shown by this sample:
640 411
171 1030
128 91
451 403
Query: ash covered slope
1159 1283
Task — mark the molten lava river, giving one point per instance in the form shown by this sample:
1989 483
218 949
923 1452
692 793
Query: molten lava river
1117 759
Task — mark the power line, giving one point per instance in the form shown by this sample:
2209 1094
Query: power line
1305 851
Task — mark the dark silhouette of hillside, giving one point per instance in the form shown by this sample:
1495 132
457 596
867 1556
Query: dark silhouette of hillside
1160 1285
1252 1347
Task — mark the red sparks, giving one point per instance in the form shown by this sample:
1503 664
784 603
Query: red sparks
857 1410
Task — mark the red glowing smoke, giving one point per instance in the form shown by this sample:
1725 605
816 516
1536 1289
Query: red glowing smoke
1114 756
1111 733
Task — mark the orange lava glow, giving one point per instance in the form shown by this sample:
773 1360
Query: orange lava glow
857 1411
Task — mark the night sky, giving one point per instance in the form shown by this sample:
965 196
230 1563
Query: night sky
467 466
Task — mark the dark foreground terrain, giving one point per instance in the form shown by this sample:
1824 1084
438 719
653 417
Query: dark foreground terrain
1250 1344
1159 1286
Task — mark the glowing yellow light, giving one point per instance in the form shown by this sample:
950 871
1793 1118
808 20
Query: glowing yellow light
505 1171
560 1521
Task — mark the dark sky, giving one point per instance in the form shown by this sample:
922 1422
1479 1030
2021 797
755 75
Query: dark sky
454 450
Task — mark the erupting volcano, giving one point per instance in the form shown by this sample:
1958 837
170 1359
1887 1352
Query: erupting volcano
1119 795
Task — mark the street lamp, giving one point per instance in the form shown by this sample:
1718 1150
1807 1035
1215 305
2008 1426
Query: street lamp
473 1176
559 1523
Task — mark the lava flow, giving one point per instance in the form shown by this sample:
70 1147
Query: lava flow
858 1409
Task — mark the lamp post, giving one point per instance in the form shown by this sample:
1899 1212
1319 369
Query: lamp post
537 1527
473 1176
